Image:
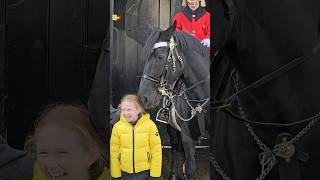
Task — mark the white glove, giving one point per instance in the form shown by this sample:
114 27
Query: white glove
206 42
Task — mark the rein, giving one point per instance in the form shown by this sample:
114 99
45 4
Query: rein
223 105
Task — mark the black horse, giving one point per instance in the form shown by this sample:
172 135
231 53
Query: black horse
177 71
271 99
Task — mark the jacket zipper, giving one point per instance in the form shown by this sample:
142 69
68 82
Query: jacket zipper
133 150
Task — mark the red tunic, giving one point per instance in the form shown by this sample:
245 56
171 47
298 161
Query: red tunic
196 23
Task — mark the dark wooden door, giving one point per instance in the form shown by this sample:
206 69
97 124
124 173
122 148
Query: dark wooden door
53 49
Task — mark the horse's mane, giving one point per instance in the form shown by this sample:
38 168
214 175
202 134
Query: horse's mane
184 41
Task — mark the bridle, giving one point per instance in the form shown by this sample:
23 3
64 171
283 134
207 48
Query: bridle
172 57
167 90
285 149
223 105
267 157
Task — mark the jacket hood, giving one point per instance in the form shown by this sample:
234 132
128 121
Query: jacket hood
144 117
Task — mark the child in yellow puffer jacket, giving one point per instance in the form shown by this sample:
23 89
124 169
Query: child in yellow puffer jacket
135 145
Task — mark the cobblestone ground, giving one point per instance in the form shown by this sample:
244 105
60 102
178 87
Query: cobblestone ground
203 165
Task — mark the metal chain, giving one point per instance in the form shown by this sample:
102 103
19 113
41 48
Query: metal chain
265 172
217 167
297 137
267 153
272 153
165 92
193 112
258 141
267 157
304 131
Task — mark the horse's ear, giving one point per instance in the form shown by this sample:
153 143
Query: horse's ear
172 28
148 28
174 25
166 34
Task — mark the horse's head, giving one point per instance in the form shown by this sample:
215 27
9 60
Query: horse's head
160 70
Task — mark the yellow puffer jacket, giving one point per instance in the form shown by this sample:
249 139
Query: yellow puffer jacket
135 148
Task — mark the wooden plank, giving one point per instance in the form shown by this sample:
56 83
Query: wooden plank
149 12
164 14
175 7
131 56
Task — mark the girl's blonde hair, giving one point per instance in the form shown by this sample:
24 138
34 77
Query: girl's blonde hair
134 99
74 117
202 3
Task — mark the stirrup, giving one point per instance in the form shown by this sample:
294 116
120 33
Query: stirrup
161 118
201 139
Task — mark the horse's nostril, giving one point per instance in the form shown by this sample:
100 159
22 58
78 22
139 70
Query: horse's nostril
143 100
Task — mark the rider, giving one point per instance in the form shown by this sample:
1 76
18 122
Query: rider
194 20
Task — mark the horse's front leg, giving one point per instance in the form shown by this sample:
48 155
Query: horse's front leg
174 141
189 156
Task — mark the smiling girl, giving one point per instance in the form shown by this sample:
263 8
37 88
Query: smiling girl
66 144
135 145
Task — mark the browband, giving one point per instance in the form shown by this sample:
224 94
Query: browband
160 44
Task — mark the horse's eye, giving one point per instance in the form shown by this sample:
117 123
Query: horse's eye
160 57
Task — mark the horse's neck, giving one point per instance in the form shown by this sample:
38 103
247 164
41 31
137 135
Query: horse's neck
264 47
196 77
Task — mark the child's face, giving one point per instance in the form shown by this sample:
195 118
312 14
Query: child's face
130 111
61 154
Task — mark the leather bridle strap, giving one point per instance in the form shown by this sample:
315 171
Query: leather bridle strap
238 117
283 69
150 78
195 85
